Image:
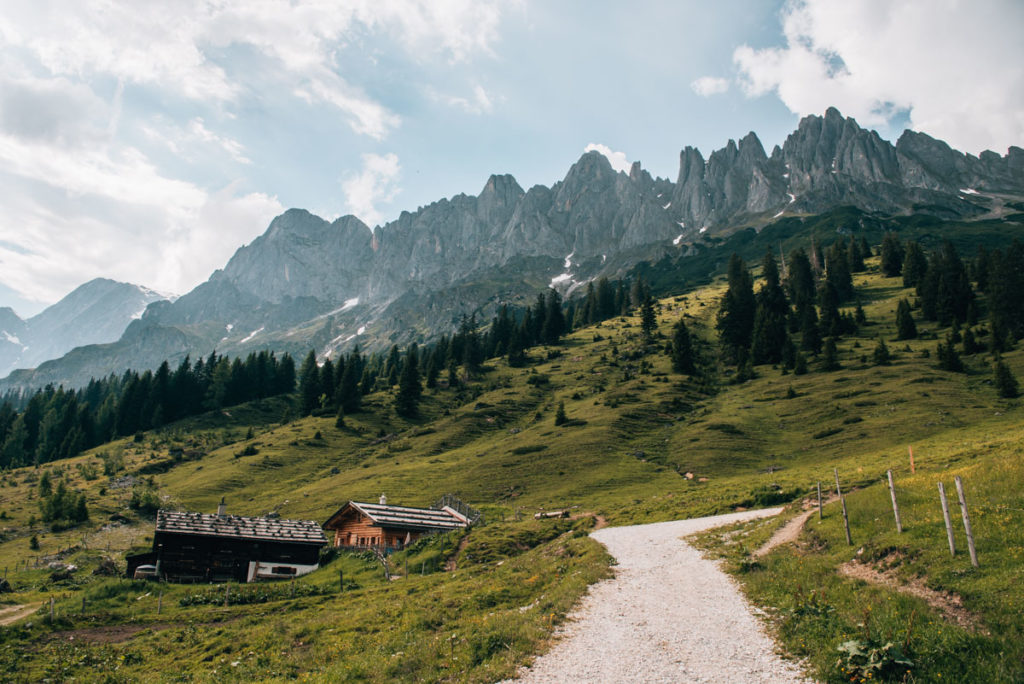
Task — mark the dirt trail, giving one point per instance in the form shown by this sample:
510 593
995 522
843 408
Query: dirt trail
789 532
668 615
11 614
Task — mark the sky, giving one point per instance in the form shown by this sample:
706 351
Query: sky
146 142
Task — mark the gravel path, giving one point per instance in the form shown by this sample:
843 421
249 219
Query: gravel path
668 615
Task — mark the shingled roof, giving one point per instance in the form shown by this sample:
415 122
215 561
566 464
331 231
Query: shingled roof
405 517
239 527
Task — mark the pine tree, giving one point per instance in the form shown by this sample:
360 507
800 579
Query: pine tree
906 329
1006 384
409 388
769 333
856 256
830 356
349 394
309 384
915 264
838 272
810 333
892 255
735 322
682 350
648 319
881 355
970 343
605 300
560 417
554 321
339 420
801 279
828 301
949 358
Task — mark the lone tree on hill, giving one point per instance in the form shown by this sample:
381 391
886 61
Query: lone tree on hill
682 350
1006 384
906 329
648 319
560 417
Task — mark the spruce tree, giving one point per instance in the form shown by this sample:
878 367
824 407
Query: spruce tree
810 333
949 358
769 333
554 321
881 355
339 420
906 329
800 364
648 319
1006 384
309 384
915 264
892 255
735 322
560 416
682 350
409 389
350 395
830 356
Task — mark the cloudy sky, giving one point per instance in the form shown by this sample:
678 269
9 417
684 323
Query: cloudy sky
146 141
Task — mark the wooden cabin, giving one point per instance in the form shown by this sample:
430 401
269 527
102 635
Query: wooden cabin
366 525
202 547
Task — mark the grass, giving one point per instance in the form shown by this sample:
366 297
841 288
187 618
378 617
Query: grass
641 445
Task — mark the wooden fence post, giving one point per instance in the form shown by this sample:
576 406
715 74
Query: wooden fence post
821 516
911 449
160 602
51 610
341 581
967 520
895 506
846 522
949 522
227 594
839 492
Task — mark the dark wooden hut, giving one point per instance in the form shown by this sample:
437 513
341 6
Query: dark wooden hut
200 547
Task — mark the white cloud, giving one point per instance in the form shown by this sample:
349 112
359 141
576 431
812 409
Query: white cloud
956 68
706 86
179 47
59 240
375 184
616 159
480 102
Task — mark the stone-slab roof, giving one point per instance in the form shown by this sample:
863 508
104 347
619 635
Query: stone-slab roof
405 517
240 527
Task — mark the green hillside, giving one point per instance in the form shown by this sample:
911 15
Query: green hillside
641 444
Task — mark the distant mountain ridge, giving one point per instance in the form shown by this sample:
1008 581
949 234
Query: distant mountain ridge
307 282
95 312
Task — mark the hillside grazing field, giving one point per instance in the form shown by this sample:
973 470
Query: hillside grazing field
642 444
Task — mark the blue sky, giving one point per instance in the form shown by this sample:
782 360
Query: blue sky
147 141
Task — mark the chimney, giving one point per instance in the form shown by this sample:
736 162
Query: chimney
383 500
221 507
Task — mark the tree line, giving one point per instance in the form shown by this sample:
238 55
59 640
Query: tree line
56 423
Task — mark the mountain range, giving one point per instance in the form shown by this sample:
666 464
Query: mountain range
94 313
307 282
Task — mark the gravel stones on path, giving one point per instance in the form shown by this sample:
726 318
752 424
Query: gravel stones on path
668 615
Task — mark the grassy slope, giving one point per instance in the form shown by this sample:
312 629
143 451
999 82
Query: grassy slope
495 445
